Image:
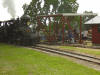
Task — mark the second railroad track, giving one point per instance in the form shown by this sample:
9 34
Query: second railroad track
71 54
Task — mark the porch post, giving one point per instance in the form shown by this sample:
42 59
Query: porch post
49 29
63 28
80 41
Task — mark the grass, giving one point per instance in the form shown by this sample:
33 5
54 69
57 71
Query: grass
21 61
95 52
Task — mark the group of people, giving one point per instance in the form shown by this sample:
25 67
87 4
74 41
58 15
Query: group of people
73 36
70 36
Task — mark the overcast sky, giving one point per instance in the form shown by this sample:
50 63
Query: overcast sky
89 5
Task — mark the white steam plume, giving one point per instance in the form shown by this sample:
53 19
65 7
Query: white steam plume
9 4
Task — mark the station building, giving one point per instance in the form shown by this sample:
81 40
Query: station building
95 24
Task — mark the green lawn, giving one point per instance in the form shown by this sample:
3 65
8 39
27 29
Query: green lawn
95 52
22 61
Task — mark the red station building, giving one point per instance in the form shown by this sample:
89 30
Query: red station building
95 24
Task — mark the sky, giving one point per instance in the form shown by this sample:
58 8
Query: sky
89 5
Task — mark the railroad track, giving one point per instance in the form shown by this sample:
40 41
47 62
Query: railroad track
71 54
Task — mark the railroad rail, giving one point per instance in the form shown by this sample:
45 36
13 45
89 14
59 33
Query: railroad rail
71 54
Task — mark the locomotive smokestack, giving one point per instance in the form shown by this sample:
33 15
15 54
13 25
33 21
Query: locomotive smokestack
9 4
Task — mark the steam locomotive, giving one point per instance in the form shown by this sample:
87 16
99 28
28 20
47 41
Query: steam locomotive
18 32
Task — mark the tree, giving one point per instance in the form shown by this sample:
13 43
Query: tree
33 9
68 6
86 18
45 7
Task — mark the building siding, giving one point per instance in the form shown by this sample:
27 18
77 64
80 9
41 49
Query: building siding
95 35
